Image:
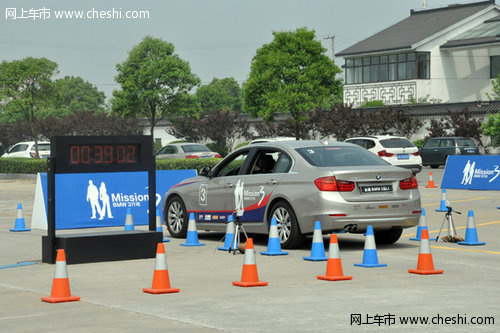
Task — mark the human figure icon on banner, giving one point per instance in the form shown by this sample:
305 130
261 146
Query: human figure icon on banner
466 173
103 195
93 197
238 198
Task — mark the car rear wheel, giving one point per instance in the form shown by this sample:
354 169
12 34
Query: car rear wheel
176 217
388 236
288 228
434 166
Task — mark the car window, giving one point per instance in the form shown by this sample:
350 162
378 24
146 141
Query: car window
232 166
431 144
17 148
396 143
466 143
329 156
447 143
42 146
264 162
368 144
194 148
168 150
283 164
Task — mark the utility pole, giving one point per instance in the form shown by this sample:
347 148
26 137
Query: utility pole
332 37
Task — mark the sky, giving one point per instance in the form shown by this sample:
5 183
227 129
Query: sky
218 38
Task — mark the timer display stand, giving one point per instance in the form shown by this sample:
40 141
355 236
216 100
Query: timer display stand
90 154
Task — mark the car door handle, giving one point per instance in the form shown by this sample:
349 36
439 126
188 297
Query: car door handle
271 182
229 185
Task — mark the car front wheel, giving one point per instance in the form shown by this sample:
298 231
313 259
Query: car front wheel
288 228
388 236
176 217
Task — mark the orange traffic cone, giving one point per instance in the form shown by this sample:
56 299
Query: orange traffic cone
249 275
334 264
60 286
430 183
161 281
425 264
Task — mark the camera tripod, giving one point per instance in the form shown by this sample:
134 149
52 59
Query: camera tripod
452 232
235 241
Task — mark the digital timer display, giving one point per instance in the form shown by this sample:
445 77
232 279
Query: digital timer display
87 154
104 154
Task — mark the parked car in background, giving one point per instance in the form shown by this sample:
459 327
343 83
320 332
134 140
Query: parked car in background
186 150
342 185
398 151
436 150
27 149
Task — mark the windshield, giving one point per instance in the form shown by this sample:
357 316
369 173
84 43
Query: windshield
194 148
396 143
330 156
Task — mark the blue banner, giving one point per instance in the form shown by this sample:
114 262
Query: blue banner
89 200
472 172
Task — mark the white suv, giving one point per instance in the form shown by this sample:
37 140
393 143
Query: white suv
396 150
27 150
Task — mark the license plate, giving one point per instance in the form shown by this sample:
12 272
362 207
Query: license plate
403 156
376 189
470 150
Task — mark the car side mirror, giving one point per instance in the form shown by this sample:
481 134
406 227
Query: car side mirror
205 172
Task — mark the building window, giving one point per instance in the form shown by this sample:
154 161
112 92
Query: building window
494 67
393 67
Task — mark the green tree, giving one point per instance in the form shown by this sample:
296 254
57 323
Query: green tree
74 94
220 94
291 75
155 83
492 128
496 89
26 91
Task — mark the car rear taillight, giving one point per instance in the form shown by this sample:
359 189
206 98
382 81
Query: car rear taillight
384 153
408 183
457 151
217 156
332 184
192 156
417 153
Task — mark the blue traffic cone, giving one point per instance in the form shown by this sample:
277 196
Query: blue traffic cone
422 224
129 220
370 258
229 237
471 232
192 234
273 244
159 228
20 225
442 205
317 248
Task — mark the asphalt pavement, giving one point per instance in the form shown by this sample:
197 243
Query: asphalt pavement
294 301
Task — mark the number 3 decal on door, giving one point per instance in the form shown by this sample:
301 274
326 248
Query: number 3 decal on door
203 194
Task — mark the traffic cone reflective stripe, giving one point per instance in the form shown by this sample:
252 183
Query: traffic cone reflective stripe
60 286
442 204
425 263
249 274
370 258
471 232
422 224
129 220
334 270
161 280
430 183
228 238
192 233
317 248
19 223
159 228
273 244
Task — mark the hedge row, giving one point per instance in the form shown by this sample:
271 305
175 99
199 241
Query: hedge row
33 166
